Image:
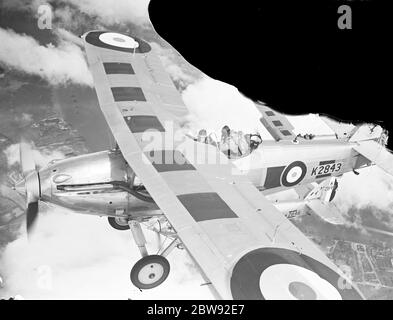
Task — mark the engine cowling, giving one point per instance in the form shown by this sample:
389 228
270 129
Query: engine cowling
89 184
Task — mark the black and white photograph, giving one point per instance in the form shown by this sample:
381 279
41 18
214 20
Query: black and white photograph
196 151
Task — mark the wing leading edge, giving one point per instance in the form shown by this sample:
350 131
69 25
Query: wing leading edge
242 244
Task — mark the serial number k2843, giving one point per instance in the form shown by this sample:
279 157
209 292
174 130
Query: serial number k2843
326 168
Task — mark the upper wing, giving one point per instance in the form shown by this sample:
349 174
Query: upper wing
242 244
276 123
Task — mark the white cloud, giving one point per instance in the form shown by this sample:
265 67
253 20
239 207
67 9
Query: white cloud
93 263
372 186
181 72
108 11
69 36
214 104
12 154
115 11
211 103
41 157
57 65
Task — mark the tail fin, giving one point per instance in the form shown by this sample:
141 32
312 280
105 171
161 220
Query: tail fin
325 191
367 132
377 153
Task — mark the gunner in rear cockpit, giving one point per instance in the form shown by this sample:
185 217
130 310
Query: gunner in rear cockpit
243 143
255 141
202 136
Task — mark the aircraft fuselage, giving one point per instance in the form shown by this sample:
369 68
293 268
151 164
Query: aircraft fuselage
93 183
284 164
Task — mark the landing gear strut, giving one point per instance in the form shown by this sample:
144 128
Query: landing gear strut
152 270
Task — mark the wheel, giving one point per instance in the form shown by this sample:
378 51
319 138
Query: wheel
150 271
118 223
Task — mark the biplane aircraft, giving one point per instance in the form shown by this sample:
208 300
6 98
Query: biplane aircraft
213 205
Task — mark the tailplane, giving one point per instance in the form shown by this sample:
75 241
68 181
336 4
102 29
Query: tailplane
319 200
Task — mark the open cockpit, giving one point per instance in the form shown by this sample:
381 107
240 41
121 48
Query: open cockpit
234 144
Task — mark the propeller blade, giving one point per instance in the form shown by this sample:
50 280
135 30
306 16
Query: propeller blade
30 183
31 216
26 157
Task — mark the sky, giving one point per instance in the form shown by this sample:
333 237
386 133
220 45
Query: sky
82 257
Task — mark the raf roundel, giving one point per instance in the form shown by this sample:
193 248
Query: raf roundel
293 174
291 282
277 273
118 40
